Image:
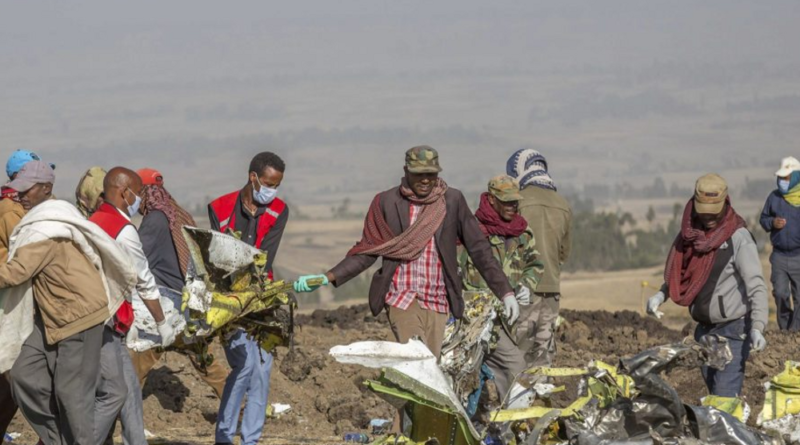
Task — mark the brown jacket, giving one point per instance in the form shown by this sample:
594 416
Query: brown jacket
67 288
11 213
459 225
549 216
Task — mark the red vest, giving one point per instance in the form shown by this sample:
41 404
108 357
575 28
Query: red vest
224 206
112 222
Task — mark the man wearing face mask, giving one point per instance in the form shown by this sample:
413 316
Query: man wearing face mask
713 268
781 219
259 218
122 190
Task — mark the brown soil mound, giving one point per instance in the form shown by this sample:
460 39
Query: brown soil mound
329 399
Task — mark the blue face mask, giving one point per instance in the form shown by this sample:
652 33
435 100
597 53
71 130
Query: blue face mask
783 185
133 208
264 195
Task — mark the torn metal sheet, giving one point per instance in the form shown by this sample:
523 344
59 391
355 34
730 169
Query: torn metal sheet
657 414
714 426
468 340
787 427
227 288
411 374
144 333
782 394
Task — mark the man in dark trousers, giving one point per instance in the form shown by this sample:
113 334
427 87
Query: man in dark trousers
259 217
781 219
415 228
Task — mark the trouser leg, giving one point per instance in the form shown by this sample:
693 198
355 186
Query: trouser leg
242 368
728 381
8 408
75 380
781 290
214 374
546 330
131 416
32 385
255 410
793 273
416 322
143 362
111 389
506 362
406 323
536 331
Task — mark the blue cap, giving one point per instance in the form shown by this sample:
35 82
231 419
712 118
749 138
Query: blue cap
19 159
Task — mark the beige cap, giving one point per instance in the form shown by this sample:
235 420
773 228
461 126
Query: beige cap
710 193
788 165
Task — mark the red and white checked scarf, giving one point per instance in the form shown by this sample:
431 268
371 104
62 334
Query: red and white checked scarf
421 279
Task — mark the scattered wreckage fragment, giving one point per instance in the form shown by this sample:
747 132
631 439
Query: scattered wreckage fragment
628 404
227 288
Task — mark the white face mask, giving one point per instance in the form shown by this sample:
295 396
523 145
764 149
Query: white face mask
133 208
264 195
783 185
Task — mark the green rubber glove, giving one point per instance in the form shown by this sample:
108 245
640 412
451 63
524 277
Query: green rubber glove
302 283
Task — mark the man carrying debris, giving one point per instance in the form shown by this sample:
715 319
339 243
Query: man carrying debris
11 213
77 276
781 218
714 269
168 257
259 218
549 216
122 190
414 228
514 247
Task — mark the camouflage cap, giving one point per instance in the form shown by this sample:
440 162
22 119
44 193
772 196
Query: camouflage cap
710 192
505 188
89 189
422 159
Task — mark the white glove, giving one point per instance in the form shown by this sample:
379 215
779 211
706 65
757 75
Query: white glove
166 332
524 296
511 308
757 340
653 303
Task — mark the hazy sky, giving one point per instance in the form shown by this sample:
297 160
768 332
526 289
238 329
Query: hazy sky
342 88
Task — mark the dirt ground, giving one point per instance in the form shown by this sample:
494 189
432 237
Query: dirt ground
328 399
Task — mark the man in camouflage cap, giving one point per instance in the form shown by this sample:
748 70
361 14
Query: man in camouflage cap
422 159
514 247
414 228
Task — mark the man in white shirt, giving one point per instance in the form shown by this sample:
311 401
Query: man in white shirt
121 190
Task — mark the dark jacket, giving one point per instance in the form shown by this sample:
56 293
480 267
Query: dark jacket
785 241
459 225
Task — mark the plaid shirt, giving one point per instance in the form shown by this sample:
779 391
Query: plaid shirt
421 279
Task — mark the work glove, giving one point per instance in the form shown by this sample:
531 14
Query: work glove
757 340
653 303
167 333
524 296
511 308
301 285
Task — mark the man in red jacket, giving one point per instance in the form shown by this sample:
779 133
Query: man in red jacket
260 218
122 188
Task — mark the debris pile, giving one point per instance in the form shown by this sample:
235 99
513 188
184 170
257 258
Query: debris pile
329 399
